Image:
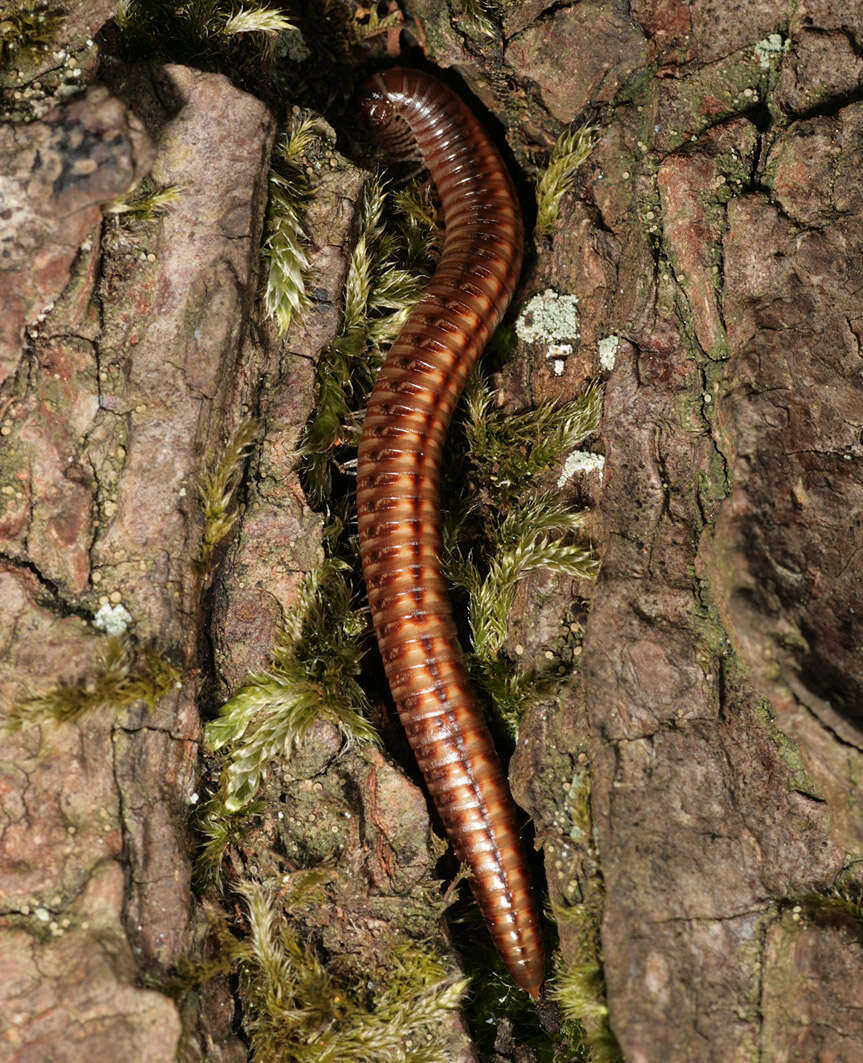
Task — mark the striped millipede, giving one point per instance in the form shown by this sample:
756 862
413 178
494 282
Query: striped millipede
398 475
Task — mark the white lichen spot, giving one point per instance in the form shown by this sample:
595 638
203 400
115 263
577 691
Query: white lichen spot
770 48
112 619
549 318
558 353
581 461
607 350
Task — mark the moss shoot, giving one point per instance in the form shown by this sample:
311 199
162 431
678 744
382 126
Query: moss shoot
313 677
127 674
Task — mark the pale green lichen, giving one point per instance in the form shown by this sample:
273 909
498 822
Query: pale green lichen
607 352
771 48
557 354
549 318
581 461
112 619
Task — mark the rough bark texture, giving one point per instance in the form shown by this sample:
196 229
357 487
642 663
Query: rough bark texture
721 683
126 374
698 780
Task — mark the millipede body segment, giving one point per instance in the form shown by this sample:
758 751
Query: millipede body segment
398 472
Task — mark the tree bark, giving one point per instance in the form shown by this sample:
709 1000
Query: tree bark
694 782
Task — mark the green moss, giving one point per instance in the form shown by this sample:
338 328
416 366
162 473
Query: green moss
799 780
298 1009
285 246
417 226
207 33
367 22
264 20
218 828
477 17
27 26
128 674
522 529
145 202
579 990
524 539
569 152
578 985
509 451
313 677
379 295
219 487
845 896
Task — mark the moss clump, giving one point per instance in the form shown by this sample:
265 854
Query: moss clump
379 295
579 991
509 451
477 17
313 677
845 898
127 674
298 1009
207 33
523 529
570 151
367 22
218 828
578 986
145 202
288 266
219 487
527 538
29 25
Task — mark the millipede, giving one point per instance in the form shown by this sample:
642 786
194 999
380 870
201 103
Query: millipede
398 477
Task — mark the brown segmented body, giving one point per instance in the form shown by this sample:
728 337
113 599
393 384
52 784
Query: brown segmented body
397 496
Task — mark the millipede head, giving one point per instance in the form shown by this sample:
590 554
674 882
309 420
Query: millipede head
375 109
380 112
